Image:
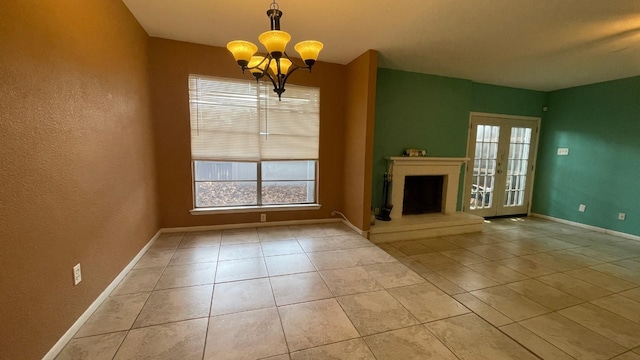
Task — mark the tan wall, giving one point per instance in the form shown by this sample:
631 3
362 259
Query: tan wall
171 63
359 126
76 162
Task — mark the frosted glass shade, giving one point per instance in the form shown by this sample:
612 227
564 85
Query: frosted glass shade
242 51
309 49
257 63
275 41
284 66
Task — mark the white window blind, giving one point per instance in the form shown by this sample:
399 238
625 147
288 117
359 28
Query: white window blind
241 120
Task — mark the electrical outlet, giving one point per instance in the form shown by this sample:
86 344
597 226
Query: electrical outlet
563 151
263 217
582 207
622 216
77 274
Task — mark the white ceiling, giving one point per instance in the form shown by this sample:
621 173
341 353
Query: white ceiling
532 44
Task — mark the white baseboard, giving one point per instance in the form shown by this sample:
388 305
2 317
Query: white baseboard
355 228
247 225
62 342
588 227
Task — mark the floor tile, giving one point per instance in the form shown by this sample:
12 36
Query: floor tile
352 349
464 256
277 357
544 295
633 294
573 257
116 313
335 259
152 259
178 340
574 286
629 355
275 233
489 314
349 281
551 262
305 231
442 283
534 343
240 296
243 269
169 241
187 275
410 248
470 337
467 278
614 327
239 236
593 253
98 347
246 335
490 252
375 312
412 343
393 274
290 289
315 323
281 247
602 280
370 255
240 251
620 305
413 265
389 249
438 244
496 272
525 266
138 280
510 303
415 297
436 261
630 275
195 255
201 239
165 306
288 264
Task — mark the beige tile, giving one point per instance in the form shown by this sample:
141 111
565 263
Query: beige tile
489 314
275 233
116 313
306 231
630 275
413 264
593 253
178 340
336 229
352 349
498 273
178 304
410 248
349 281
195 255
490 252
335 259
574 286
633 294
525 267
389 249
370 255
620 305
572 338
412 343
427 303
544 295
138 280
614 249
277 357
435 261
534 343
551 262
439 244
470 337
167 241
510 303
243 269
313 244
240 251
99 347
600 279
375 312
637 350
483 238
442 283
201 239
281 247
239 236
517 249
573 257
616 328
187 275
628 264
246 335
630 355
467 278
288 264
315 323
462 241
463 256
290 289
393 274
157 258
240 296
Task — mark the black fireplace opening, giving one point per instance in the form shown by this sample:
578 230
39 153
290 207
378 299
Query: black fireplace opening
422 194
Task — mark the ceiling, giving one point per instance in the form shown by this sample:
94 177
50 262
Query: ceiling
531 44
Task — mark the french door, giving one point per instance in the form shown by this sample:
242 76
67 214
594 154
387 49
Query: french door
499 175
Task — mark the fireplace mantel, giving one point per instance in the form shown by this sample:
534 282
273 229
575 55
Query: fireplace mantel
400 167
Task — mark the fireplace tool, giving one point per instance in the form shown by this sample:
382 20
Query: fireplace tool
385 210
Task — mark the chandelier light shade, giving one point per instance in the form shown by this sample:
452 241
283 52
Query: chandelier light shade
276 59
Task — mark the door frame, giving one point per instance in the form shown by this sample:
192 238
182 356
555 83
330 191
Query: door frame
533 155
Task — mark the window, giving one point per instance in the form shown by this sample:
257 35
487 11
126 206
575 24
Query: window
250 149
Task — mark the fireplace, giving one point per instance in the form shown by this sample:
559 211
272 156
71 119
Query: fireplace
422 194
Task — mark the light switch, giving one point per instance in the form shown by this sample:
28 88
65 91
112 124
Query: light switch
563 151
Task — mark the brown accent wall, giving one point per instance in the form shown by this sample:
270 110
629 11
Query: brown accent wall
171 63
77 177
359 126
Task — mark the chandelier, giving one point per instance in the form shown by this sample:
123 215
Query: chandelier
276 64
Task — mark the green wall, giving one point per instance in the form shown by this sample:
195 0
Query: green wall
600 124
432 112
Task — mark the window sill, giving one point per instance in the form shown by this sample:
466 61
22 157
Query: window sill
253 209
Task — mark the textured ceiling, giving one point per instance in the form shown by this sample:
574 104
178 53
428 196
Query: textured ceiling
531 44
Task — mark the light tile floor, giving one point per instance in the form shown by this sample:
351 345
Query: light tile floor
519 290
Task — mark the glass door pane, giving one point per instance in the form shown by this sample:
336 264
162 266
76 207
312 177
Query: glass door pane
517 165
484 167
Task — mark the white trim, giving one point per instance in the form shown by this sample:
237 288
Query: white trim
62 342
246 225
355 228
588 227
504 116
254 209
